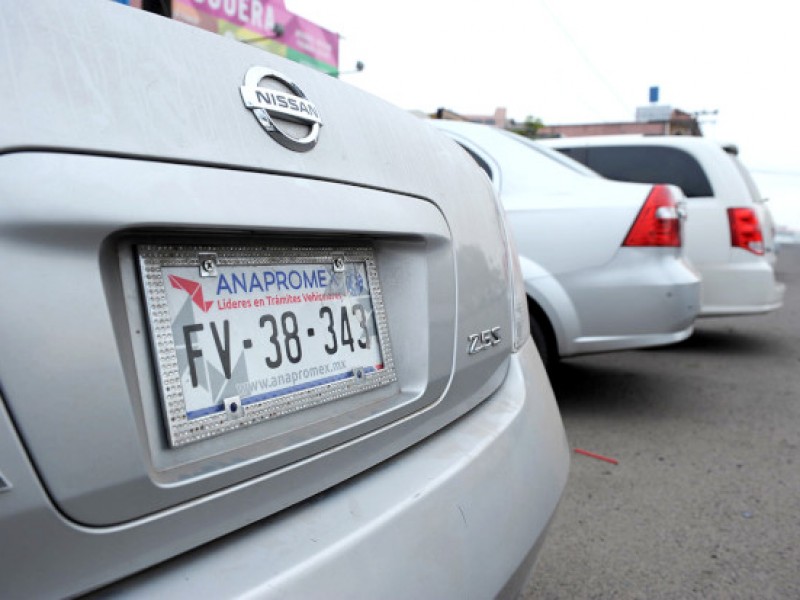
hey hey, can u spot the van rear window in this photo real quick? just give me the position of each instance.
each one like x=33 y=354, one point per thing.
x=648 y=164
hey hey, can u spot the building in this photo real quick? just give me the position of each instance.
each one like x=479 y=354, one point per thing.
x=265 y=24
x=499 y=119
x=650 y=120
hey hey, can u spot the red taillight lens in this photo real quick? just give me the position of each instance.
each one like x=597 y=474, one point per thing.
x=658 y=223
x=746 y=230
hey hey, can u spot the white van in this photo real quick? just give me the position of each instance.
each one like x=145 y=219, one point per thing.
x=729 y=231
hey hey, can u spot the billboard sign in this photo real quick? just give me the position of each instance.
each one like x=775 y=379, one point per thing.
x=265 y=24
x=653 y=112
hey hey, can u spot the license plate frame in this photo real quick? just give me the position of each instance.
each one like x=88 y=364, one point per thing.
x=188 y=321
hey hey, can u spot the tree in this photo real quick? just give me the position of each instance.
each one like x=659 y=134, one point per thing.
x=529 y=128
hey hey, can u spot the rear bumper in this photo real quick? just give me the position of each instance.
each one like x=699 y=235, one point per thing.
x=644 y=297
x=740 y=288
x=461 y=514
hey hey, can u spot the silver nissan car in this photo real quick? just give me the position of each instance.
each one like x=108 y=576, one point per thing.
x=262 y=333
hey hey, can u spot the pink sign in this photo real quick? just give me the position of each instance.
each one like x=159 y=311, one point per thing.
x=263 y=19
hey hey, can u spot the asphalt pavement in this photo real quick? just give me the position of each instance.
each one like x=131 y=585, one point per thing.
x=705 y=499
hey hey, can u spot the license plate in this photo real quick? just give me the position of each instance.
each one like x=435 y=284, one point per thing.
x=242 y=335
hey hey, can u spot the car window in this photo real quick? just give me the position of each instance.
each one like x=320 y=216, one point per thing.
x=578 y=154
x=650 y=164
x=481 y=163
x=563 y=159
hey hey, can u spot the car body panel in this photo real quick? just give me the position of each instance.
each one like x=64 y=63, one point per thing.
x=735 y=281
x=664 y=309
x=569 y=226
x=740 y=286
x=566 y=201
x=373 y=519
x=441 y=482
x=131 y=487
x=168 y=108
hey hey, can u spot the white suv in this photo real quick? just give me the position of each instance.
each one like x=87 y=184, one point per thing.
x=729 y=231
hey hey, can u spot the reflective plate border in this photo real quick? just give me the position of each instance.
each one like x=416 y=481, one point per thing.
x=180 y=429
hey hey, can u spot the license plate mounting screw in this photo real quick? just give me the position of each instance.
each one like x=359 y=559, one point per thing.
x=208 y=264
x=233 y=408
x=338 y=263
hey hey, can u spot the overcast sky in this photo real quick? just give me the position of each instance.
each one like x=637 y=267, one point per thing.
x=577 y=61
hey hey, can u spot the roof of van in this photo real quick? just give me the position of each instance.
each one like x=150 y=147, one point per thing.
x=680 y=141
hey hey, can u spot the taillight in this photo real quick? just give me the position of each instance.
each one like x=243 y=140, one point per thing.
x=658 y=223
x=746 y=230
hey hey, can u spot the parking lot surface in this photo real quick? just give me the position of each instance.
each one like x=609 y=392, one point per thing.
x=705 y=499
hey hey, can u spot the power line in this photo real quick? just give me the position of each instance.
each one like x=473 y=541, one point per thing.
x=782 y=172
x=583 y=55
